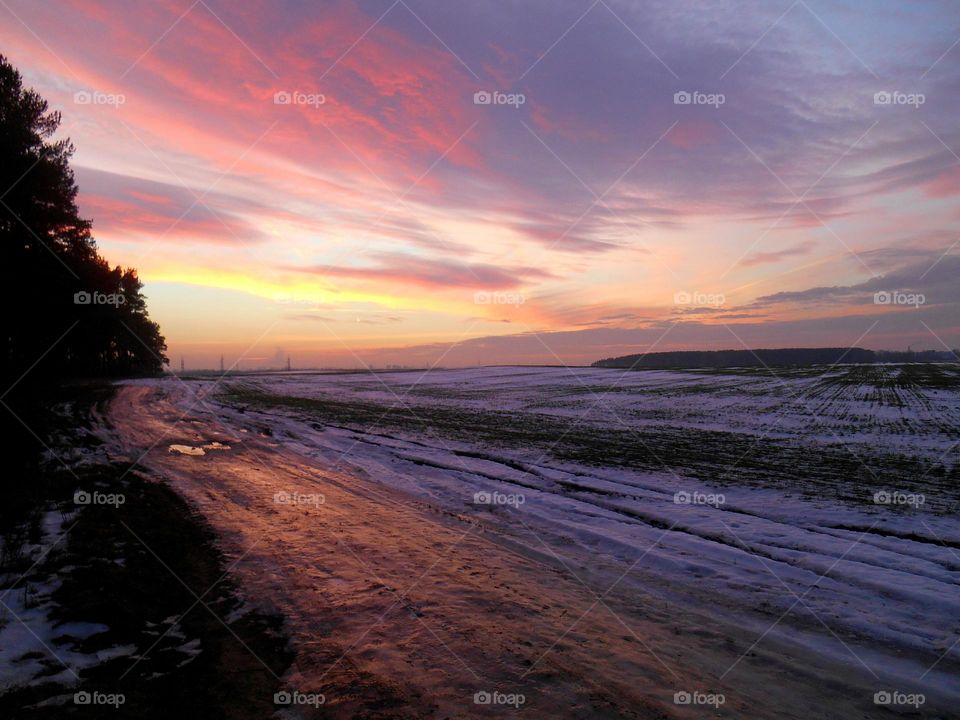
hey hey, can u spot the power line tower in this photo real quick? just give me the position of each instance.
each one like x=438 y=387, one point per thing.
x=288 y=363
x=221 y=364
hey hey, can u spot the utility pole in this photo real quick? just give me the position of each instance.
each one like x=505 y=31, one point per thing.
x=221 y=364
x=181 y=363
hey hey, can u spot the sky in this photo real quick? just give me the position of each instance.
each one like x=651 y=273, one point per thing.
x=425 y=182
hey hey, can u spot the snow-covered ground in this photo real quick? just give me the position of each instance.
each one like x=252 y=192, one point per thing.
x=594 y=540
x=26 y=628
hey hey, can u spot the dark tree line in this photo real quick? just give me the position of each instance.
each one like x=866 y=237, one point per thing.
x=780 y=356
x=67 y=312
x=740 y=358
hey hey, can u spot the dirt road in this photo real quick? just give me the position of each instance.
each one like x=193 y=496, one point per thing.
x=400 y=606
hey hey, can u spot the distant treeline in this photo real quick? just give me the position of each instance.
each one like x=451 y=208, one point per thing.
x=67 y=313
x=772 y=357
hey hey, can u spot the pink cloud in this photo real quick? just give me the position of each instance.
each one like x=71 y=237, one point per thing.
x=773 y=256
x=944 y=185
x=688 y=134
x=407 y=270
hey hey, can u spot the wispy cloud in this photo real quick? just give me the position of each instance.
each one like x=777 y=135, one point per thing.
x=337 y=149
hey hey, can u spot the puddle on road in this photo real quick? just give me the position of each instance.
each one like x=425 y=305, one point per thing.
x=187 y=450
x=216 y=446
x=197 y=450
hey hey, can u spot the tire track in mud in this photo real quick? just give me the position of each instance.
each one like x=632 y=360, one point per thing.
x=496 y=601
x=771 y=551
x=373 y=657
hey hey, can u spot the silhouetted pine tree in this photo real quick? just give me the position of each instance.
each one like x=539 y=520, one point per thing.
x=50 y=264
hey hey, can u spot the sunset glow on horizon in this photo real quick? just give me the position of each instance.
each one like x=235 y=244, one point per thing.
x=415 y=182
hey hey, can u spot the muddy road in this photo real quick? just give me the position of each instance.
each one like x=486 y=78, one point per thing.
x=401 y=603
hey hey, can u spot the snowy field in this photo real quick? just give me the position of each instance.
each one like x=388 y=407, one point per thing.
x=597 y=543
